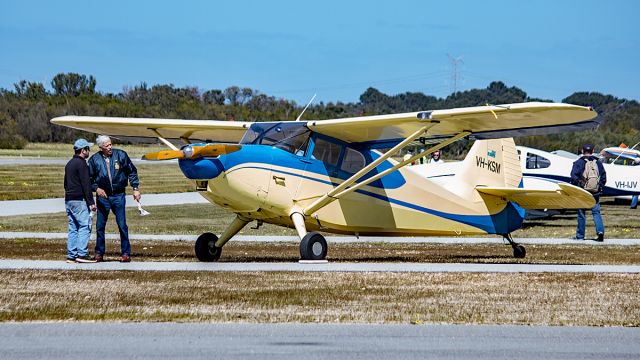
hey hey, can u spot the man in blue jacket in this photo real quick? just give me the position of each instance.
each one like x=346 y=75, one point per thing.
x=595 y=186
x=110 y=171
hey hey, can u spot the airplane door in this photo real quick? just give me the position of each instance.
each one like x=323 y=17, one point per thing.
x=321 y=170
x=288 y=165
x=287 y=172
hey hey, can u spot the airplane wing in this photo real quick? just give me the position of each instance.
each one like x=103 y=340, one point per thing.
x=483 y=122
x=565 y=196
x=214 y=130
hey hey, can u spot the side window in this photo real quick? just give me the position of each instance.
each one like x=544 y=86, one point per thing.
x=537 y=162
x=353 y=161
x=327 y=152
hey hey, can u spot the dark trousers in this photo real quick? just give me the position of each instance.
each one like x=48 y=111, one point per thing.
x=116 y=204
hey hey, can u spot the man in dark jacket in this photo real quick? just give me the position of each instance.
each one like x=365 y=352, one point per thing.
x=78 y=201
x=111 y=171
x=578 y=179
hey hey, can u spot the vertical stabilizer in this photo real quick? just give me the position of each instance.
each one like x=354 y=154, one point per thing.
x=493 y=163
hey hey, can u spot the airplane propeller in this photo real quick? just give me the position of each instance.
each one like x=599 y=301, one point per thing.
x=193 y=152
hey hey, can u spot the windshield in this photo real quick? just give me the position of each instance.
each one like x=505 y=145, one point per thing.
x=289 y=136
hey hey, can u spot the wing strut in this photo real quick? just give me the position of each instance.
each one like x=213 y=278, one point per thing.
x=403 y=163
x=165 y=141
x=331 y=195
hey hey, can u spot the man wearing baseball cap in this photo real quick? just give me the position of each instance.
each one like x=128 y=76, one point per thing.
x=78 y=202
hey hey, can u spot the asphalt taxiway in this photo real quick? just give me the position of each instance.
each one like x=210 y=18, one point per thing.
x=313 y=341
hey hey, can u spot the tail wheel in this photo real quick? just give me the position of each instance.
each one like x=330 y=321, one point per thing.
x=313 y=247
x=206 y=249
x=519 y=252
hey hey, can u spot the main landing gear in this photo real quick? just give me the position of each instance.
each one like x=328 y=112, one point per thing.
x=519 y=252
x=313 y=245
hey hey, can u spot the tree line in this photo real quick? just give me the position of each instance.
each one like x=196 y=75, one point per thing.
x=26 y=109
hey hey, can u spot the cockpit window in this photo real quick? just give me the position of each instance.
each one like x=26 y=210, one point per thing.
x=327 y=152
x=537 y=162
x=292 y=137
x=353 y=161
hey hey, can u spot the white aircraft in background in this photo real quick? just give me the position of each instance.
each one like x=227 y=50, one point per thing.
x=543 y=169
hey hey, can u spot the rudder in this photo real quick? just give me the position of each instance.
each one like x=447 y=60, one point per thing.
x=493 y=163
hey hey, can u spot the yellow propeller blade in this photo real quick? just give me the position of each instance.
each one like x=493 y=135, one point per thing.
x=214 y=150
x=164 y=155
x=196 y=152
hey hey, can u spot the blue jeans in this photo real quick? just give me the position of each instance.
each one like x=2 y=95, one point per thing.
x=79 y=228
x=115 y=203
x=597 y=219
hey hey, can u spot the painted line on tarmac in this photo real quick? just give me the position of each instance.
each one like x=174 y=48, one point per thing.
x=326 y=267
x=338 y=239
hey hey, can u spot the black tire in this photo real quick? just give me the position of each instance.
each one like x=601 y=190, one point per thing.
x=206 y=249
x=313 y=247
x=519 y=252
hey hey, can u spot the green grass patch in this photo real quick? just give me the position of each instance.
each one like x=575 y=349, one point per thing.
x=177 y=219
x=26 y=182
x=63 y=151
x=620 y=222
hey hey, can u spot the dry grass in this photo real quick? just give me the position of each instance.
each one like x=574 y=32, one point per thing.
x=42 y=249
x=540 y=299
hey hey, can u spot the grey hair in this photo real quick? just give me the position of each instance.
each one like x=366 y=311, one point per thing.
x=102 y=139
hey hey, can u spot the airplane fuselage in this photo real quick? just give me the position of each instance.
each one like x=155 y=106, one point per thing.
x=270 y=182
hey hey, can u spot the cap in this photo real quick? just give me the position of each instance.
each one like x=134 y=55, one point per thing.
x=587 y=148
x=81 y=144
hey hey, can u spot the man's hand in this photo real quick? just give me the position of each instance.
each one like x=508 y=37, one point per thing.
x=93 y=208
x=101 y=193
x=136 y=195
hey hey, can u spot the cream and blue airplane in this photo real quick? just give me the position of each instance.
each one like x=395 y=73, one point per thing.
x=338 y=176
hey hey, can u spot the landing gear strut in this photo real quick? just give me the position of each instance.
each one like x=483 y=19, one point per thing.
x=519 y=252
x=313 y=245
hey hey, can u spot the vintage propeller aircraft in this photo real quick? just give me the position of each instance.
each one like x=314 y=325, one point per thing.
x=338 y=175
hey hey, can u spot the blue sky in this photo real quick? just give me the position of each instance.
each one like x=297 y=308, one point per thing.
x=293 y=49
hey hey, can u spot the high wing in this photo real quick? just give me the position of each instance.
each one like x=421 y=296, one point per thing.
x=565 y=196
x=212 y=130
x=482 y=122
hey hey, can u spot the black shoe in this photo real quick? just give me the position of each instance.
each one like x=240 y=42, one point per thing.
x=576 y=238
x=71 y=260
x=600 y=237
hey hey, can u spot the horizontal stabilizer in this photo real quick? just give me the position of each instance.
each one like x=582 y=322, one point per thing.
x=564 y=196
